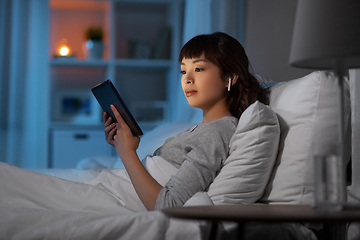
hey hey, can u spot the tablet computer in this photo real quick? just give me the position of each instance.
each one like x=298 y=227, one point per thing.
x=106 y=94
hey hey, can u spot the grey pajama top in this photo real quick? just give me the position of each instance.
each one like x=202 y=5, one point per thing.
x=198 y=154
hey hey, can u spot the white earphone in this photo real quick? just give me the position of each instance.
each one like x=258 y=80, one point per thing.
x=229 y=84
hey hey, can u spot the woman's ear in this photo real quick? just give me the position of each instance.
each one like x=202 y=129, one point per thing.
x=232 y=80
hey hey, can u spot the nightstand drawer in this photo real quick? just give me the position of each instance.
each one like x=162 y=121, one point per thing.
x=69 y=146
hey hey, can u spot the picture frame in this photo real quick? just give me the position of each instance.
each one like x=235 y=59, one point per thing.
x=76 y=106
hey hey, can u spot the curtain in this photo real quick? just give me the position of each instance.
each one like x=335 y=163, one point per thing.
x=229 y=16
x=202 y=17
x=24 y=107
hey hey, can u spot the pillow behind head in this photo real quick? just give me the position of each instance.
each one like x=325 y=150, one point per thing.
x=308 y=110
x=253 y=150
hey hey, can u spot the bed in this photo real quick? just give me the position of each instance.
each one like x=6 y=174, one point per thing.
x=270 y=162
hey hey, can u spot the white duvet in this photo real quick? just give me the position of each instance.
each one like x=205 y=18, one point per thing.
x=38 y=206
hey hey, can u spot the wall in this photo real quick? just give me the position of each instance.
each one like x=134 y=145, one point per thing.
x=268 y=36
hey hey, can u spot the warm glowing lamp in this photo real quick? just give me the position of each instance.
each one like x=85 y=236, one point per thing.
x=64 y=49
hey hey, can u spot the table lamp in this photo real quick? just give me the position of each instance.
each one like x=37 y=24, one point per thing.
x=327 y=37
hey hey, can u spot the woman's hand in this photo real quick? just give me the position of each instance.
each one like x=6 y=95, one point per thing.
x=124 y=140
x=110 y=129
x=126 y=144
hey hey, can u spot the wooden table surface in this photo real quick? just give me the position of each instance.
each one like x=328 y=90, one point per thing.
x=262 y=213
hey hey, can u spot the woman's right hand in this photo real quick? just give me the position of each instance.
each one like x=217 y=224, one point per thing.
x=110 y=129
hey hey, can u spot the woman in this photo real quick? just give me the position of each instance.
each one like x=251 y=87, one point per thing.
x=216 y=79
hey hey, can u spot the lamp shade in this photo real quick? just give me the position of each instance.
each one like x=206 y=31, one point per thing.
x=325 y=31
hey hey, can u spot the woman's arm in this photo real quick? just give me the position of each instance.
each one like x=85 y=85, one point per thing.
x=126 y=144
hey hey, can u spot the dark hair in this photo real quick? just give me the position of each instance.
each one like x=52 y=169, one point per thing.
x=229 y=55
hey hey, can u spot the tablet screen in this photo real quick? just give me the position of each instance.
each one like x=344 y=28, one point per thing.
x=106 y=94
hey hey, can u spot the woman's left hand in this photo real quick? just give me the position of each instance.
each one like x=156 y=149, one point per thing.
x=124 y=140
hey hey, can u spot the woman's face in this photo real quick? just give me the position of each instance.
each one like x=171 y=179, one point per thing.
x=202 y=84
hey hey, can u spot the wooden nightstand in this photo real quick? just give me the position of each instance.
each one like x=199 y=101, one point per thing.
x=266 y=214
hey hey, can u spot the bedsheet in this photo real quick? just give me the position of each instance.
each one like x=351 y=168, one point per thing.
x=29 y=223
x=76 y=175
x=38 y=206
x=82 y=218
x=26 y=223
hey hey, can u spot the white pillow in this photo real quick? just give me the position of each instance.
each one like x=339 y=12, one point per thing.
x=307 y=109
x=253 y=150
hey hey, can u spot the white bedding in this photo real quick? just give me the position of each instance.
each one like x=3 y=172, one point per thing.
x=80 y=217
x=37 y=206
x=27 y=223
x=76 y=175
x=56 y=204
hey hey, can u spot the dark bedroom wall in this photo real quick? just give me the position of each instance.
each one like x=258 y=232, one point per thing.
x=269 y=26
